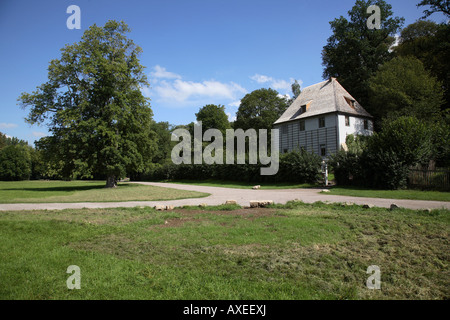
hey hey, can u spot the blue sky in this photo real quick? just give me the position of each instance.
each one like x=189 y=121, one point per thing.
x=196 y=52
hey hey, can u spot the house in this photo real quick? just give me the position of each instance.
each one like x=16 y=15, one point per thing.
x=320 y=119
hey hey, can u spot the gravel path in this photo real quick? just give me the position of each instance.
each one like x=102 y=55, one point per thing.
x=242 y=196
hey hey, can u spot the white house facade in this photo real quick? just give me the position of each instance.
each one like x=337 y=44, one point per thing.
x=321 y=118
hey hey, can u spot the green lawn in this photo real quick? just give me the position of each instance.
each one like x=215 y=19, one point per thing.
x=85 y=191
x=296 y=251
x=242 y=185
x=409 y=194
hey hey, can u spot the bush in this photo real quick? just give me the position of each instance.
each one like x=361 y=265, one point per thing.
x=297 y=166
x=15 y=163
x=385 y=160
x=346 y=166
x=384 y=170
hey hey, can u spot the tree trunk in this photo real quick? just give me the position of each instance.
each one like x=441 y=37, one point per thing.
x=111 y=182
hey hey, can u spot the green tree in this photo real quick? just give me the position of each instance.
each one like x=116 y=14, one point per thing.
x=15 y=163
x=163 y=137
x=260 y=109
x=402 y=86
x=430 y=43
x=354 y=52
x=296 y=91
x=213 y=117
x=435 y=6
x=92 y=103
x=3 y=140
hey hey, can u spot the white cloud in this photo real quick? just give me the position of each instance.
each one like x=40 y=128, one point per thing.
x=4 y=125
x=182 y=91
x=230 y=117
x=396 y=42
x=286 y=96
x=235 y=104
x=161 y=73
x=261 y=78
x=39 y=134
x=277 y=84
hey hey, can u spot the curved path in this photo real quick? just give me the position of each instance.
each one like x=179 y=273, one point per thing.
x=242 y=196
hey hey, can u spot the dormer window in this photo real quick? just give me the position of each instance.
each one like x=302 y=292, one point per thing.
x=303 y=108
x=350 y=102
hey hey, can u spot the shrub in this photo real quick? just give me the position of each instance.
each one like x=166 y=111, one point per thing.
x=297 y=166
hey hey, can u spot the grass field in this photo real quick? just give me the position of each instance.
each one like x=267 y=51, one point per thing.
x=242 y=185
x=345 y=191
x=409 y=194
x=295 y=251
x=85 y=191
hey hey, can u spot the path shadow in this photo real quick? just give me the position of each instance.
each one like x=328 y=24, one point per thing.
x=65 y=188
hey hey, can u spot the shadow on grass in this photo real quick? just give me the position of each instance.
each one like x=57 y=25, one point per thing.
x=65 y=188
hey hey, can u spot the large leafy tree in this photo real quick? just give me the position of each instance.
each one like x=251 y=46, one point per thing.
x=354 y=52
x=213 y=117
x=260 y=109
x=403 y=87
x=430 y=43
x=94 y=108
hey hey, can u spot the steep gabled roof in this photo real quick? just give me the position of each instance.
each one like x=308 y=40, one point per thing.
x=325 y=97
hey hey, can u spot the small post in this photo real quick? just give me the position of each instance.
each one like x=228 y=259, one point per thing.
x=325 y=172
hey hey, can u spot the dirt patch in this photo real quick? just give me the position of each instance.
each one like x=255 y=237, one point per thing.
x=189 y=215
x=250 y=212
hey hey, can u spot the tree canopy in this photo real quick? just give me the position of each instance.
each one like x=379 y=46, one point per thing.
x=430 y=43
x=15 y=162
x=94 y=109
x=404 y=87
x=354 y=52
x=213 y=117
x=260 y=109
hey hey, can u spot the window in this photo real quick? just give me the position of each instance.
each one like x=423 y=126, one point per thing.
x=323 y=150
x=285 y=150
x=366 y=125
x=350 y=102
x=303 y=109
x=347 y=121
x=284 y=129
x=322 y=122
x=302 y=125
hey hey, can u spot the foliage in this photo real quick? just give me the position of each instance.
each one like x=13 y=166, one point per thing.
x=92 y=103
x=297 y=166
x=213 y=117
x=260 y=109
x=407 y=137
x=162 y=134
x=353 y=52
x=385 y=161
x=430 y=43
x=402 y=86
x=10 y=141
x=296 y=91
x=15 y=163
